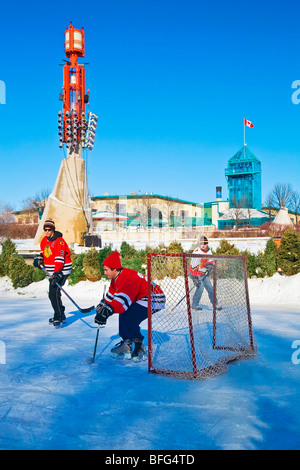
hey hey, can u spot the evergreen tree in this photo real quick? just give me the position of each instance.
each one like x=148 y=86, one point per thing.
x=174 y=266
x=8 y=250
x=136 y=262
x=19 y=272
x=126 y=250
x=270 y=258
x=91 y=265
x=251 y=263
x=288 y=259
x=226 y=248
x=38 y=275
x=77 y=273
x=103 y=254
x=175 y=247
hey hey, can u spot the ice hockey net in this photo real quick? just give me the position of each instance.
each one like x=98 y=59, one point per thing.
x=198 y=344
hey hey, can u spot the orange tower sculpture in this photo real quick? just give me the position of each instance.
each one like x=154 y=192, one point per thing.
x=68 y=204
x=74 y=129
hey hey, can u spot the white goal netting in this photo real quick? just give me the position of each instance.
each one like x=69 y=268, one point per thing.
x=206 y=322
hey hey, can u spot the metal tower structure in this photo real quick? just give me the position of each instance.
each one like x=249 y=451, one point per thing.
x=69 y=204
x=243 y=175
x=75 y=128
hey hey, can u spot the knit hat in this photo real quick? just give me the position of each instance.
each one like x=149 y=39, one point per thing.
x=203 y=241
x=49 y=224
x=113 y=261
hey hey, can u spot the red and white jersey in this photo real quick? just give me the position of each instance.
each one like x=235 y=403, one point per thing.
x=131 y=286
x=56 y=254
x=198 y=265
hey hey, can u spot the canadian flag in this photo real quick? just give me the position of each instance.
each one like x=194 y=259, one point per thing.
x=248 y=123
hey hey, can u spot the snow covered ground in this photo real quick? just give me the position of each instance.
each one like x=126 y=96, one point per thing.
x=52 y=399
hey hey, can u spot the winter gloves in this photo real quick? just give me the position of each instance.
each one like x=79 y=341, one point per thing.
x=56 y=278
x=38 y=262
x=209 y=268
x=104 y=311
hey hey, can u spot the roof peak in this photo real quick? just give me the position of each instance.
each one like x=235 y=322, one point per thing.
x=244 y=154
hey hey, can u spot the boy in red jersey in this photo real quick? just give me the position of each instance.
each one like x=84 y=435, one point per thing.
x=55 y=257
x=128 y=297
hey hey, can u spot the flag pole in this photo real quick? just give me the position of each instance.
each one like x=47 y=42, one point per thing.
x=244 y=139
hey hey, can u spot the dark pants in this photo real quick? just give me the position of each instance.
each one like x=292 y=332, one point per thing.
x=55 y=299
x=129 y=322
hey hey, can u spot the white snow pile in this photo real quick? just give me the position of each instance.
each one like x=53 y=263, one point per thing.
x=276 y=290
x=51 y=398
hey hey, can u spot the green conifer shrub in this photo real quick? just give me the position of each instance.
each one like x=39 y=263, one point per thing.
x=38 y=275
x=126 y=250
x=77 y=273
x=270 y=258
x=19 y=272
x=8 y=250
x=103 y=254
x=288 y=258
x=174 y=265
x=226 y=248
x=91 y=265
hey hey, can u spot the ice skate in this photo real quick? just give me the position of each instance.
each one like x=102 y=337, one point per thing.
x=63 y=318
x=57 y=323
x=139 y=353
x=197 y=308
x=122 y=349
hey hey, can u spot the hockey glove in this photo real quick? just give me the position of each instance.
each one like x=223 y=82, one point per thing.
x=56 y=278
x=209 y=268
x=101 y=304
x=104 y=311
x=38 y=262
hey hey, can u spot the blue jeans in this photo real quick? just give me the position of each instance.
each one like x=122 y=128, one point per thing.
x=201 y=283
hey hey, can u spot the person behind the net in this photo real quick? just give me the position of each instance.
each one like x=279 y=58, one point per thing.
x=127 y=296
x=55 y=256
x=200 y=270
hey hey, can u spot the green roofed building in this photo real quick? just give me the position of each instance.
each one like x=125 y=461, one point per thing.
x=243 y=174
x=148 y=210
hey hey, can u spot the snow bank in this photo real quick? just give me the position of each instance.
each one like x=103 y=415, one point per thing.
x=276 y=290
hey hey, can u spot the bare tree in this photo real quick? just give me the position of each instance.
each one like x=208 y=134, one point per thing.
x=144 y=210
x=237 y=211
x=269 y=203
x=171 y=210
x=248 y=209
x=6 y=213
x=294 y=204
x=36 y=202
x=112 y=207
x=42 y=197
x=282 y=194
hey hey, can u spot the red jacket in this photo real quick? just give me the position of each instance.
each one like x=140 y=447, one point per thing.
x=56 y=254
x=131 y=286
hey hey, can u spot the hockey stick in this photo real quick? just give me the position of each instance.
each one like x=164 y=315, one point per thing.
x=82 y=310
x=91 y=360
x=182 y=299
x=189 y=292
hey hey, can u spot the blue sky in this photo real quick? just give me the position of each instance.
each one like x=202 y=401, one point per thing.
x=171 y=81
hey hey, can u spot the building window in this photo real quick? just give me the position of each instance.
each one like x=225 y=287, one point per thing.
x=121 y=208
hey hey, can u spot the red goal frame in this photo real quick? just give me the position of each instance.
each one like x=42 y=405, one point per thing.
x=215 y=344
